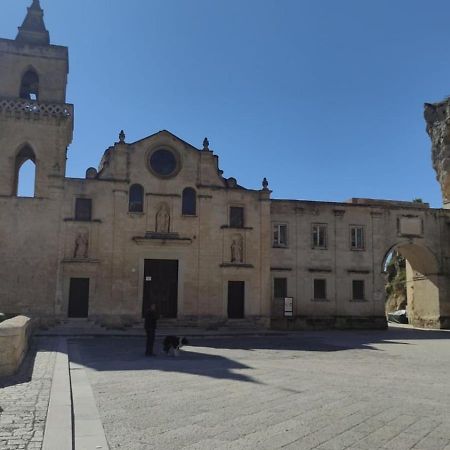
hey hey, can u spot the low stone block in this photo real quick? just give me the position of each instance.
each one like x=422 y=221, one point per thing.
x=14 y=337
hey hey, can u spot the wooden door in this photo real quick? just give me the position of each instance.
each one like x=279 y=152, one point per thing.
x=79 y=297
x=236 y=297
x=161 y=286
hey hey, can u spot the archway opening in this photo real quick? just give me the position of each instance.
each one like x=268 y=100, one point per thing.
x=29 y=87
x=412 y=285
x=25 y=173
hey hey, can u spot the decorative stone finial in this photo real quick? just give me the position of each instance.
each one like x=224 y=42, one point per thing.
x=205 y=144
x=121 y=137
x=265 y=184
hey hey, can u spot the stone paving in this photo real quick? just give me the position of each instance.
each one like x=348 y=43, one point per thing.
x=24 y=398
x=323 y=390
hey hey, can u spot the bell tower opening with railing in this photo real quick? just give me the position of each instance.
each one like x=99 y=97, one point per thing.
x=36 y=123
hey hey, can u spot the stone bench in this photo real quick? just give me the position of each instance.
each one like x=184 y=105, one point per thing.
x=14 y=337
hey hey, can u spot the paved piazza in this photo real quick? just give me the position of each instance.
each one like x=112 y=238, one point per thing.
x=24 y=398
x=324 y=390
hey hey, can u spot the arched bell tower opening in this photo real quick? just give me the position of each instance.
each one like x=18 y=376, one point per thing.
x=25 y=173
x=33 y=108
x=420 y=281
x=29 y=86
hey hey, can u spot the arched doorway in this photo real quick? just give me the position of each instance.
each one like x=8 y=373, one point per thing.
x=422 y=280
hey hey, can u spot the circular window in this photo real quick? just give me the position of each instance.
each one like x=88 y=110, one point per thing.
x=163 y=162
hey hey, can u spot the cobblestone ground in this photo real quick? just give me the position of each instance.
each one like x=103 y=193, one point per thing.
x=24 y=398
x=324 y=390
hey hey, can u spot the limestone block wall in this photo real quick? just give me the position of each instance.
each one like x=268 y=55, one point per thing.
x=29 y=231
x=413 y=229
x=48 y=136
x=50 y=62
x=14 y=337
x=118 y=246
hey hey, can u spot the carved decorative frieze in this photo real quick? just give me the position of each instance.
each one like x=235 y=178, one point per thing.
x=20 y=107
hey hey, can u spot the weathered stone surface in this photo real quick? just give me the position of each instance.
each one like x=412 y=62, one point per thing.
x=24 y=398
x=14 y=336
x=437 y=117
x=47 y=247
x=326 y=390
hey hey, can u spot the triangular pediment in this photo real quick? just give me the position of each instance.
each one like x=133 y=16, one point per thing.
x=164 y=134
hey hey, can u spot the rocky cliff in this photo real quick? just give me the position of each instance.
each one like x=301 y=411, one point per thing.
x=437 y=117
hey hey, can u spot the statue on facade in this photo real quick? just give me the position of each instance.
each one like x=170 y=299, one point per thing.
x=81 y=246
x=237 y=250
x=163 y=220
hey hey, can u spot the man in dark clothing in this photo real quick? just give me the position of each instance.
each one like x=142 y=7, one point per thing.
x=151 y=317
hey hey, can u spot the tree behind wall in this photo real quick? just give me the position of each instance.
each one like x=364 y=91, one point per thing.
x=396 y=283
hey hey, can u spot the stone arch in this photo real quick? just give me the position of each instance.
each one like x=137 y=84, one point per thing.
x=424 y=283
x=29 y=85
x=23 y=155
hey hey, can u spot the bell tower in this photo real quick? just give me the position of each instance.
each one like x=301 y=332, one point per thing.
x=36 y=123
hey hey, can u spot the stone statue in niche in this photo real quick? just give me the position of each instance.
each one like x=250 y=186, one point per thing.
x=163 y=219
x=81 y=245
x=237 y=249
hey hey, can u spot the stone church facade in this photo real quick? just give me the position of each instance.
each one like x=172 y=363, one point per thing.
x=158 y=223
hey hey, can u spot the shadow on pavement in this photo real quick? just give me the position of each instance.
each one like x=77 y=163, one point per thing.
x=127 y=353
x=119 y=354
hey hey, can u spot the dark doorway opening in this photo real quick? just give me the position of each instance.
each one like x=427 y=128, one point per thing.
x=161 y=286
x=79 y=297
x=236 y=296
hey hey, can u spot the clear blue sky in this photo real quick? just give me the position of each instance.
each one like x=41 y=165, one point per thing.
x=323 y=97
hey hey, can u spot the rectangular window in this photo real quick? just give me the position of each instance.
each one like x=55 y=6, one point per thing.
x=236 y=217
x=319 y=235
x=358 y=289
x=357 y=237
x=279 y=235
x=83 y=209
x=320 y=289
x=280 y=287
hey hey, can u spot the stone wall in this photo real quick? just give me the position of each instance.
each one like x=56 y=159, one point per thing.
x=14 y=337
x=415 y=230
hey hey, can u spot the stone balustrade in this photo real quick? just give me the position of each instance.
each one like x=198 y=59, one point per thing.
x=14 y=337
x=19 y=107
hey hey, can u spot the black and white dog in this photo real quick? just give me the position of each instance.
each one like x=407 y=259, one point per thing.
x=172 y=344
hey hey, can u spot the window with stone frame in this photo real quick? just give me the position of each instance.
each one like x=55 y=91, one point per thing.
x=279 y=235
x=280 y=287
x=189 y=202
x=83 y=209
x=319 y=235
x=320 y=289
x=136 y=198
x=357 y=241
x=358 y=290
x=236 y=217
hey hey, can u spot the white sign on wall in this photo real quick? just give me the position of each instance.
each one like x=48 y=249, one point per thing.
x=288 y=307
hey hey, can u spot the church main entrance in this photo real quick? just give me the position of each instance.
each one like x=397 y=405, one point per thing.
x=161 y=286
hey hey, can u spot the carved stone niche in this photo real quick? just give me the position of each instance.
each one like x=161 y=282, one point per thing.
x=81 y=244
x=237 y=249
x=162 y=219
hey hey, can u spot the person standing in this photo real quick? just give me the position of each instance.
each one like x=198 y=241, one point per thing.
x=150 y=319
